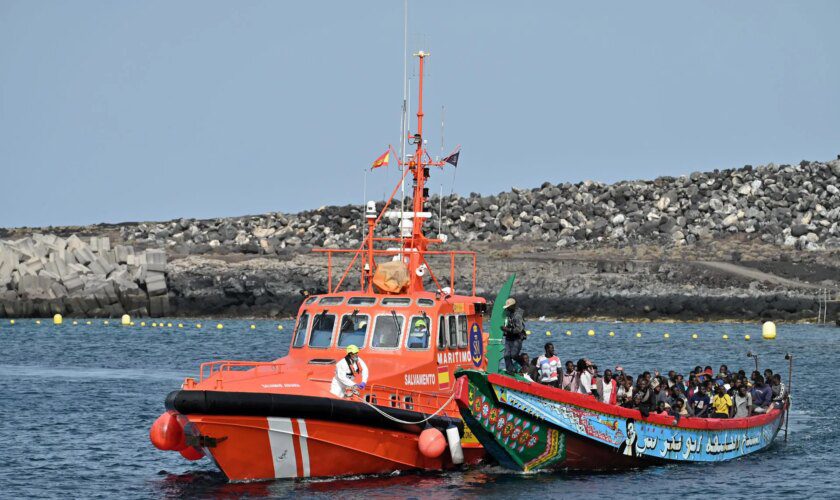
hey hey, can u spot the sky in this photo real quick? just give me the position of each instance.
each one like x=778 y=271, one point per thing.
x=115 y=111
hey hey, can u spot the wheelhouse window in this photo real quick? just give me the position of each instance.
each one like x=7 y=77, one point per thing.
x=311 y=300
x=353 y=330
x=441 y=336
x=453 y=332
x=300 y=330
x=331 y=301
x=323 y=325
x=361 y=301
x=418 y=332
x=462 y=330
x=425 y=302
x=387 y=331
x=396 y=301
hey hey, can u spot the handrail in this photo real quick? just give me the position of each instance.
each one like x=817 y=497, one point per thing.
x=391 y=252
x=423 y=402
x=227 y=365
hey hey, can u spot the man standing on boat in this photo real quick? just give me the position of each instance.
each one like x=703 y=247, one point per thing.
x=344 y=383
x=514 y=330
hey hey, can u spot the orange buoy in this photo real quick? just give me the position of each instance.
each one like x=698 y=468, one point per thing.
x=166 y=433
x=431 y=443
x=191 y=453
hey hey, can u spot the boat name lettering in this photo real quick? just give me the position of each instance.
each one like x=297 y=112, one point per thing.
x=752 y=441
x=420 y=379
x=713 y=447
x=445 y=358
x=673 y=444
x=275 y=386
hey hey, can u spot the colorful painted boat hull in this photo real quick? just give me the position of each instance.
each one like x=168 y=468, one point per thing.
x=597 y=436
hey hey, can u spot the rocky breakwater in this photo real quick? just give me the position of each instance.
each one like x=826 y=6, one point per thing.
x=789 y=206
x=42 y=275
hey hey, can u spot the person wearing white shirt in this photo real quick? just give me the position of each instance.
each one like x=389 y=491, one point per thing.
x=344 y=383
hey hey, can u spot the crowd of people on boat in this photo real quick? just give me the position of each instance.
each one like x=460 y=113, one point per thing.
x=703 y=393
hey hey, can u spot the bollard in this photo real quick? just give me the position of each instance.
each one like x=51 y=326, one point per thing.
x=57 y=319
x=125 y=320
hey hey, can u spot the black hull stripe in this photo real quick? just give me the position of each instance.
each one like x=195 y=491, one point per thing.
x=257 y=404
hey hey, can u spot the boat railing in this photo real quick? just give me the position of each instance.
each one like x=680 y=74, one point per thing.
x=405 y=399
x=220 y=368
x=390 y=253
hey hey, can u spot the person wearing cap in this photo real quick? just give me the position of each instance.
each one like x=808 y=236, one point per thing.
x=346 y=369
x=418 y=337
x=514 y=330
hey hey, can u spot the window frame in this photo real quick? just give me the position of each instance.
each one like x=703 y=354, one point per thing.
x=442 y=332
x=360 y=345
x=296 y=331
x=331 y=300
x=425 y=302
x=429 y=334
x=332 y=332
x=463 y=342
x=390 y=318
x=452 y=319
x=387 y=302
x=361 y=304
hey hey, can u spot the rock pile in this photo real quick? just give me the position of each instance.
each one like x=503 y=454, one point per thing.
x=796 y=206
x=45 y=274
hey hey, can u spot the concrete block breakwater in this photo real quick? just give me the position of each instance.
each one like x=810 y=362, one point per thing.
x=789 y=206
x=42 y=275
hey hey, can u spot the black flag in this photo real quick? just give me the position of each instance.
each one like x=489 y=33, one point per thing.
x=453 y=158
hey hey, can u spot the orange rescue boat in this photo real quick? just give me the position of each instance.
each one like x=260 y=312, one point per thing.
x=279 y=419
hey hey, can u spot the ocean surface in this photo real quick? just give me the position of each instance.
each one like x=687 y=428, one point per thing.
x=77 y=403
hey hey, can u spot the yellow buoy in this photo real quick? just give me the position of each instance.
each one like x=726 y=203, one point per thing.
x=37 y=321
x=667 y=336
x=527 y=332
x=142 y=323
x=57 y=319
x=612 y=334
x=725 y=337
x=279 y=327
x=180 y=325
x=75 y=323
x=219 y=326
x=694 y=335
x=154 y=324
x=591 y=333
x=768 y=330
x=88 y=323
x=125 y=320
x=198 y=325
x=131 y=324
x=253 y=327
x=548 y=334
x=105 y=322
x=638 y=334
x=169 y=325
x=11 y=322
x=569 y=333
x=746 y=337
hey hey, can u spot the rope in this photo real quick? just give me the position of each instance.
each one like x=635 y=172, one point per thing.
x=395 y=419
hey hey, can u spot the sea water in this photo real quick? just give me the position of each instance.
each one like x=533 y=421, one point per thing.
x=77 y=403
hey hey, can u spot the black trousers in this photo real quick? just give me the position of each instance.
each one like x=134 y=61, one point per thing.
x=512 y=349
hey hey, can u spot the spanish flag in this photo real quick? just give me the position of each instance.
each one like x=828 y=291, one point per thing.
x=382 y=160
